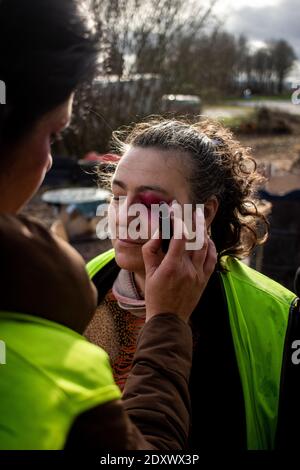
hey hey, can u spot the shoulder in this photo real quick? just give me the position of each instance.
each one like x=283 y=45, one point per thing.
x=23 y=236
x=103 y=271
x=59 y=358
x=99 y=262
x=247 y=280
x=42 y=274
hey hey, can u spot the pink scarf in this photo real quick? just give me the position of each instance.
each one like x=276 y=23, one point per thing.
x=126 y=294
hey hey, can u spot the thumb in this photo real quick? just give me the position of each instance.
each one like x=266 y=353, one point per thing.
x=152 y=253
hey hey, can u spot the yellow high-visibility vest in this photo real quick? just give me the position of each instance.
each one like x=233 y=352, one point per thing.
x=258 y=310
x=52 y=374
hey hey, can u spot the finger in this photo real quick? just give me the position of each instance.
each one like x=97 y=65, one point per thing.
x=211 y=259
x=198 y=230
x=151 y=252
x=199 y=256
x=177 y=243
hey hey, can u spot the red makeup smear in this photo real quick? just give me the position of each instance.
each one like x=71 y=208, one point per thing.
x=150 y=198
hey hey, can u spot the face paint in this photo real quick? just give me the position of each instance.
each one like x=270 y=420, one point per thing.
x=149 y=198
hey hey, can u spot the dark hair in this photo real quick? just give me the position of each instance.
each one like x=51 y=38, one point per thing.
x=46 y=51
x=215 y=164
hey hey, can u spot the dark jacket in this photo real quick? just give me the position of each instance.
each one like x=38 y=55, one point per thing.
x=218 y=409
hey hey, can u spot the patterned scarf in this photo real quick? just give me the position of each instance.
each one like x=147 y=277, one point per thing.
x=117 y=323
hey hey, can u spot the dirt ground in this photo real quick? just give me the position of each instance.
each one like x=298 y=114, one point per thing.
x=88 y=247
x=281 y=150
x=280 y=158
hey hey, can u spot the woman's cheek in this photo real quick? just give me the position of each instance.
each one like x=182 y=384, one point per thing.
x=153 y=222
x=112 y=221
x=145 y=224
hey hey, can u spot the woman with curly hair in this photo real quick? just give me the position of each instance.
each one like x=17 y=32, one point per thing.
x=239 y=324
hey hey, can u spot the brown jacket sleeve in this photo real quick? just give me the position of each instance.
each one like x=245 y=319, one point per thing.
x=156 y=405
x=43 y=275
x=156 y=395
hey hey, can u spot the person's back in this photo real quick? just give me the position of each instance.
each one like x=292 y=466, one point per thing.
x=52 y=374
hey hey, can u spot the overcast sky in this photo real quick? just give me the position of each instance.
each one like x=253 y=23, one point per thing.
x=263 y=20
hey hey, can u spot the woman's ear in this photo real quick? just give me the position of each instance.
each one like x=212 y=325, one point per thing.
x=210 y=210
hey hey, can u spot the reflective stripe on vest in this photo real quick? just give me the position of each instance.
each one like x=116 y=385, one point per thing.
x=258 y=309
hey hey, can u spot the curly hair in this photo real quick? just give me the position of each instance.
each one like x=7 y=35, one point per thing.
x=216 y=165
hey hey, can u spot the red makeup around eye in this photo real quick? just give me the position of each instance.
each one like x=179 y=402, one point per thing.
x=149 y=198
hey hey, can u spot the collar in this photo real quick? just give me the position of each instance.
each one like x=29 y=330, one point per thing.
x=126 y=294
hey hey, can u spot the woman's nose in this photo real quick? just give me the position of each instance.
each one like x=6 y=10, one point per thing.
x=123 y=213
x=130 y=210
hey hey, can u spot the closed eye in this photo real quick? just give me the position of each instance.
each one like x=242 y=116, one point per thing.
x=117 y=197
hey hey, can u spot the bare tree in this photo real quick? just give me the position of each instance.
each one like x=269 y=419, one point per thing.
x=139 y=39
x=283 y=59
x=267 y=67
x=153 y=47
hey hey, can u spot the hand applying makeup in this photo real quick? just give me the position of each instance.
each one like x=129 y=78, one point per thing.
x=176 y=281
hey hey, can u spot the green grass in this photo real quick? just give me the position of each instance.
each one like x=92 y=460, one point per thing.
x=230 y=99
x=285 y=97
x=236 y=122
